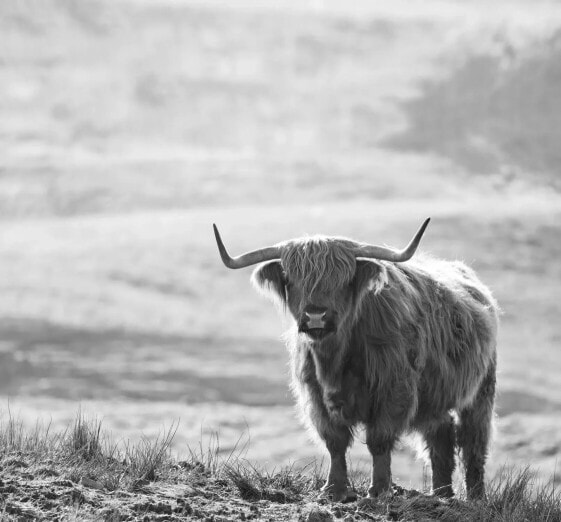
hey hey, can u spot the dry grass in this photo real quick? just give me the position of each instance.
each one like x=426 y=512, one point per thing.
x=86 y=452
x=288 y=484
x=513 y=496
x=81 y=473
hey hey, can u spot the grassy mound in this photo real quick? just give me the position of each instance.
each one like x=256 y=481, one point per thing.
x=80 y=474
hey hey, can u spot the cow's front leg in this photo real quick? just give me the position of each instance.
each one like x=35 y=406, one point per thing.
x=337 y=439
x=381 y=450
x=336 y=435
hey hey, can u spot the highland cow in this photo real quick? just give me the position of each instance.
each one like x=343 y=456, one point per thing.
x=390 y=343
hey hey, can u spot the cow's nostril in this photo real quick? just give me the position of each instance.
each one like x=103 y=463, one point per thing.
x=315 y=320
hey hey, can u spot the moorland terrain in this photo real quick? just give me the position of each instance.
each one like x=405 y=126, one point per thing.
x=127 y=129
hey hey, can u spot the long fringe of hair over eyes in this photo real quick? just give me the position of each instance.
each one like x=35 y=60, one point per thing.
x=319 y=261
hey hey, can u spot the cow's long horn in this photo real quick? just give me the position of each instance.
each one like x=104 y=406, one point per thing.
x=388 y=254
x=247 y=259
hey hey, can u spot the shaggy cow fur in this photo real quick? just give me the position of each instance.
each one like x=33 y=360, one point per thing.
x=414 y=350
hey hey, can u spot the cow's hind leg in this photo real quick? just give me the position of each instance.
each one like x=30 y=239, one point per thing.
x=441 y=444
x=474 y=434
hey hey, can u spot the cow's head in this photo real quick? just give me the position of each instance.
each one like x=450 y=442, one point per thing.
x=321 y=280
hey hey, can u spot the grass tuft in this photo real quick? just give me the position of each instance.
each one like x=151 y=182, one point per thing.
x=15 y=438
x=84 y=438
x=206 y=456
x=288 y=484
x=244 y=482
x=515 y=495
x=144 y=459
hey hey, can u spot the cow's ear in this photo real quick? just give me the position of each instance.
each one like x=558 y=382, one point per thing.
x=370 y=275
x=269 y=278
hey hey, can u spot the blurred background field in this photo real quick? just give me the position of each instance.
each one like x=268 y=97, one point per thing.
x=127 y=128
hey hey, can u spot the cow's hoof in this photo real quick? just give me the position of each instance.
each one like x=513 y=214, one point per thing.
x=335 y=494
x=379 y=492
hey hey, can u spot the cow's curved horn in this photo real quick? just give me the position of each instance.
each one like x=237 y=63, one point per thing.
x=247 y=259
x=388 y=254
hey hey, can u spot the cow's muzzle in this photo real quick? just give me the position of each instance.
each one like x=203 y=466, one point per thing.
x=316 y=324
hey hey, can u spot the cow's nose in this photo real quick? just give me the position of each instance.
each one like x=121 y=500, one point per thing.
x=315 y=316
x=315 y=320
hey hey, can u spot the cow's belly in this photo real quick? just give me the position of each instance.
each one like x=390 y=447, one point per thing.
x=448 y=385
